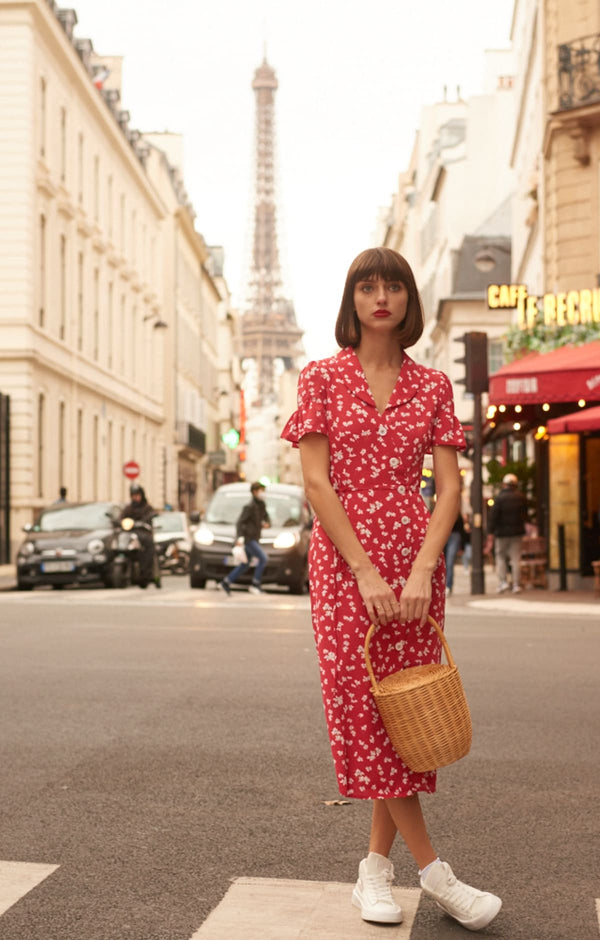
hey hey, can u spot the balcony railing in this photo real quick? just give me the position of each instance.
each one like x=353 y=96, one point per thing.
x=579 y=72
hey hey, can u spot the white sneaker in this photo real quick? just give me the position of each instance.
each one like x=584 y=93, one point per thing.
x=373 y=890
x=472 y=908
x=253 y=589
x=502 y=587
x=516 y=589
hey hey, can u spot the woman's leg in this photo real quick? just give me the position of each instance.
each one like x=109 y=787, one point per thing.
x=403 y=815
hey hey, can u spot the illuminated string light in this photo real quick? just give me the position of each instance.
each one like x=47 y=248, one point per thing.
x=582 y=402
x=545 y=406
x=518 y=409
x=502 y=408
x=517 y=426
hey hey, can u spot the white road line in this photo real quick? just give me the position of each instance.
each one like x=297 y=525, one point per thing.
x=281 y=909
x=18 y=878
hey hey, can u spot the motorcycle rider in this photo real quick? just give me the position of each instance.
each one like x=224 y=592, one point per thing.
x=140 y=510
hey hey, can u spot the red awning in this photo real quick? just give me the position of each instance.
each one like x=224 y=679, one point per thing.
x=565 y=374
x=586 y=420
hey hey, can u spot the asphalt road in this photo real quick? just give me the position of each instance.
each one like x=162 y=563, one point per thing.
x=157 y=745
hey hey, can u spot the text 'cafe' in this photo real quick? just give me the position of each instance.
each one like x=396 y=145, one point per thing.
x=556 y=397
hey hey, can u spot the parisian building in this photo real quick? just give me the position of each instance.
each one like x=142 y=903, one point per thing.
x=108 y=352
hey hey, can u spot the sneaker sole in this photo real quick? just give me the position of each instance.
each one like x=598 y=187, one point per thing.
x=479 y=922
x=375 y=917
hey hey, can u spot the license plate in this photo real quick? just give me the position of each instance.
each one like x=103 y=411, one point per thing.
x=48 y=567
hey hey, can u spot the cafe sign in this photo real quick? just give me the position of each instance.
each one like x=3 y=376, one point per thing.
x=560 y=309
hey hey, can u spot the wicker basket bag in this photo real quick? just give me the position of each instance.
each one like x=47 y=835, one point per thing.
x=424 y=710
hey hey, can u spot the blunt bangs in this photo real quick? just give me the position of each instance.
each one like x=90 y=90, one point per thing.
x=388 y=265
x=380 y=263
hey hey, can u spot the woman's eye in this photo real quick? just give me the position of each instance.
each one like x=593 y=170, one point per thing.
x=395 y=287
x=367 y=288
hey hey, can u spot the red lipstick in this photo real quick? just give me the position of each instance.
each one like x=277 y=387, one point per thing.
x=381 y=313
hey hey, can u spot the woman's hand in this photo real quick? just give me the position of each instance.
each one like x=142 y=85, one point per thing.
x=416 y=596
x=381 y=602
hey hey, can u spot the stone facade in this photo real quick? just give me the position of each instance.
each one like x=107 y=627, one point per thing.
x=108 y=337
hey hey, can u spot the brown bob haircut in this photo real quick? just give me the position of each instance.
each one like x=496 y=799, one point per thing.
x=391 y=266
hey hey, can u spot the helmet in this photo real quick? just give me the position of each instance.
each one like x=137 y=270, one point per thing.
x=135 y=488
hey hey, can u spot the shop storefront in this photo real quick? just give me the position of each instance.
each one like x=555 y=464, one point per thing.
x=553 y=400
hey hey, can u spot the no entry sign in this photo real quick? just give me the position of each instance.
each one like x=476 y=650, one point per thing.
x=131 y=469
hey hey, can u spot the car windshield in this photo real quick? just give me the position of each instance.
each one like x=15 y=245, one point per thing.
x=169 y=522
x=225 y=507
x=88 y=517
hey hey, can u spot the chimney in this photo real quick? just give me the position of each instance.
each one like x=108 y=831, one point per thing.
x=67 y=19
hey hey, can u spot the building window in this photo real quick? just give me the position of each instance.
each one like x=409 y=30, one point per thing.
x=63 y=144
x=96 y=188
x=96 y=334
x=95 y=457
x=495 y=355
x=109 y=460
x=133 y=344
x=41 y=317
x=61 y=443
x=79 y=466
x=109 y=207
x=109 y=330
x=80 y=169
x=40 y=449
x=63 y=286
x=42 y=117
x=80 y=301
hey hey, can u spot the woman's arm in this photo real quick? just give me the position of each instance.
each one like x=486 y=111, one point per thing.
x=380 y=600
x=416 y=596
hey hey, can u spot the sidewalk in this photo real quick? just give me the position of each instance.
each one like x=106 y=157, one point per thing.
x=535 y=600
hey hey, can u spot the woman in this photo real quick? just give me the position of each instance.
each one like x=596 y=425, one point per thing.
x=365 y=419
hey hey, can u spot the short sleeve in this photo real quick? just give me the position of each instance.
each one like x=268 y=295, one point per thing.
x=446 y=429
x=311 y=415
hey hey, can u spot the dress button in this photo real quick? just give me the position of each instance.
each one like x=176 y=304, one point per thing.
x=394 y=462
x=382 y=430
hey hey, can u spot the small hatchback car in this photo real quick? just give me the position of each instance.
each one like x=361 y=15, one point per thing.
x=68 y=544
x=285 y=542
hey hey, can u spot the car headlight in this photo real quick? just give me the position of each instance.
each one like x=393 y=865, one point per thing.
x=95 y=546
x=203 y=536
x=27 y=549
x=286 y=540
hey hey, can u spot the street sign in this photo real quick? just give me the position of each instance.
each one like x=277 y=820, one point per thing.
x=131 y=469
x=216 y=458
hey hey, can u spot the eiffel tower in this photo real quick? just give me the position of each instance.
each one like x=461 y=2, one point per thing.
x=268 y=325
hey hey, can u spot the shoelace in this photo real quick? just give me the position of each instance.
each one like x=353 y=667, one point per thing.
x=380 y=883
x=459 y=894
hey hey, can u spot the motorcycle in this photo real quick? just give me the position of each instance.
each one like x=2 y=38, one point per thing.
x=126 y=566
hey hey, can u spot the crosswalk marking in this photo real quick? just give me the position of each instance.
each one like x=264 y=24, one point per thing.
x=281 y=909
x=18 y=878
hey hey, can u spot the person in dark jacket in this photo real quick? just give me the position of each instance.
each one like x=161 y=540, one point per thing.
x=253 y=518
x=507 y=527
x=140 y=510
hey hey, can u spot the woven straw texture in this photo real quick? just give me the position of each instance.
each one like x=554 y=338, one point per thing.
x=424 y=710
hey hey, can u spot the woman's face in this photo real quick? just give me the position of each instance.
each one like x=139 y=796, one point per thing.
x=380 y=305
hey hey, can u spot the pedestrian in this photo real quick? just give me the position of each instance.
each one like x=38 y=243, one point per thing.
x=140 y=510
x=506 y=528
x=451 y=550
x=366 y=418
x=467 y=547
x=253 y=518
x=62 y=496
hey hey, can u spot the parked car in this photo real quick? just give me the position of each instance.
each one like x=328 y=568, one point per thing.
x=285 y=541
x=173 y=541
x=68 y=544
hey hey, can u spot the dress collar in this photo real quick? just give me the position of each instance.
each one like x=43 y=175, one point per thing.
x=406 y=387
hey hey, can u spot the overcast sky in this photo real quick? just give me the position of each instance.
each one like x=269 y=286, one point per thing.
x=353 y=77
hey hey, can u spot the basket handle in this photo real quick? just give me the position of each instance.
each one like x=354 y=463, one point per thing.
x=372 y=630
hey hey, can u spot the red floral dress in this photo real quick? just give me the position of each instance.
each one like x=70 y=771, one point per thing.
x=375 y=468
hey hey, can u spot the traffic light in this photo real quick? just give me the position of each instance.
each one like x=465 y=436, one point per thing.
x=475 y=361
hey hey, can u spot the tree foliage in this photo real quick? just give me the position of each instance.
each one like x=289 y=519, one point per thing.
x=544 y=338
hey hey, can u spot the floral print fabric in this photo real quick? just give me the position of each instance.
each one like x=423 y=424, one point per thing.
x=375 y=468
